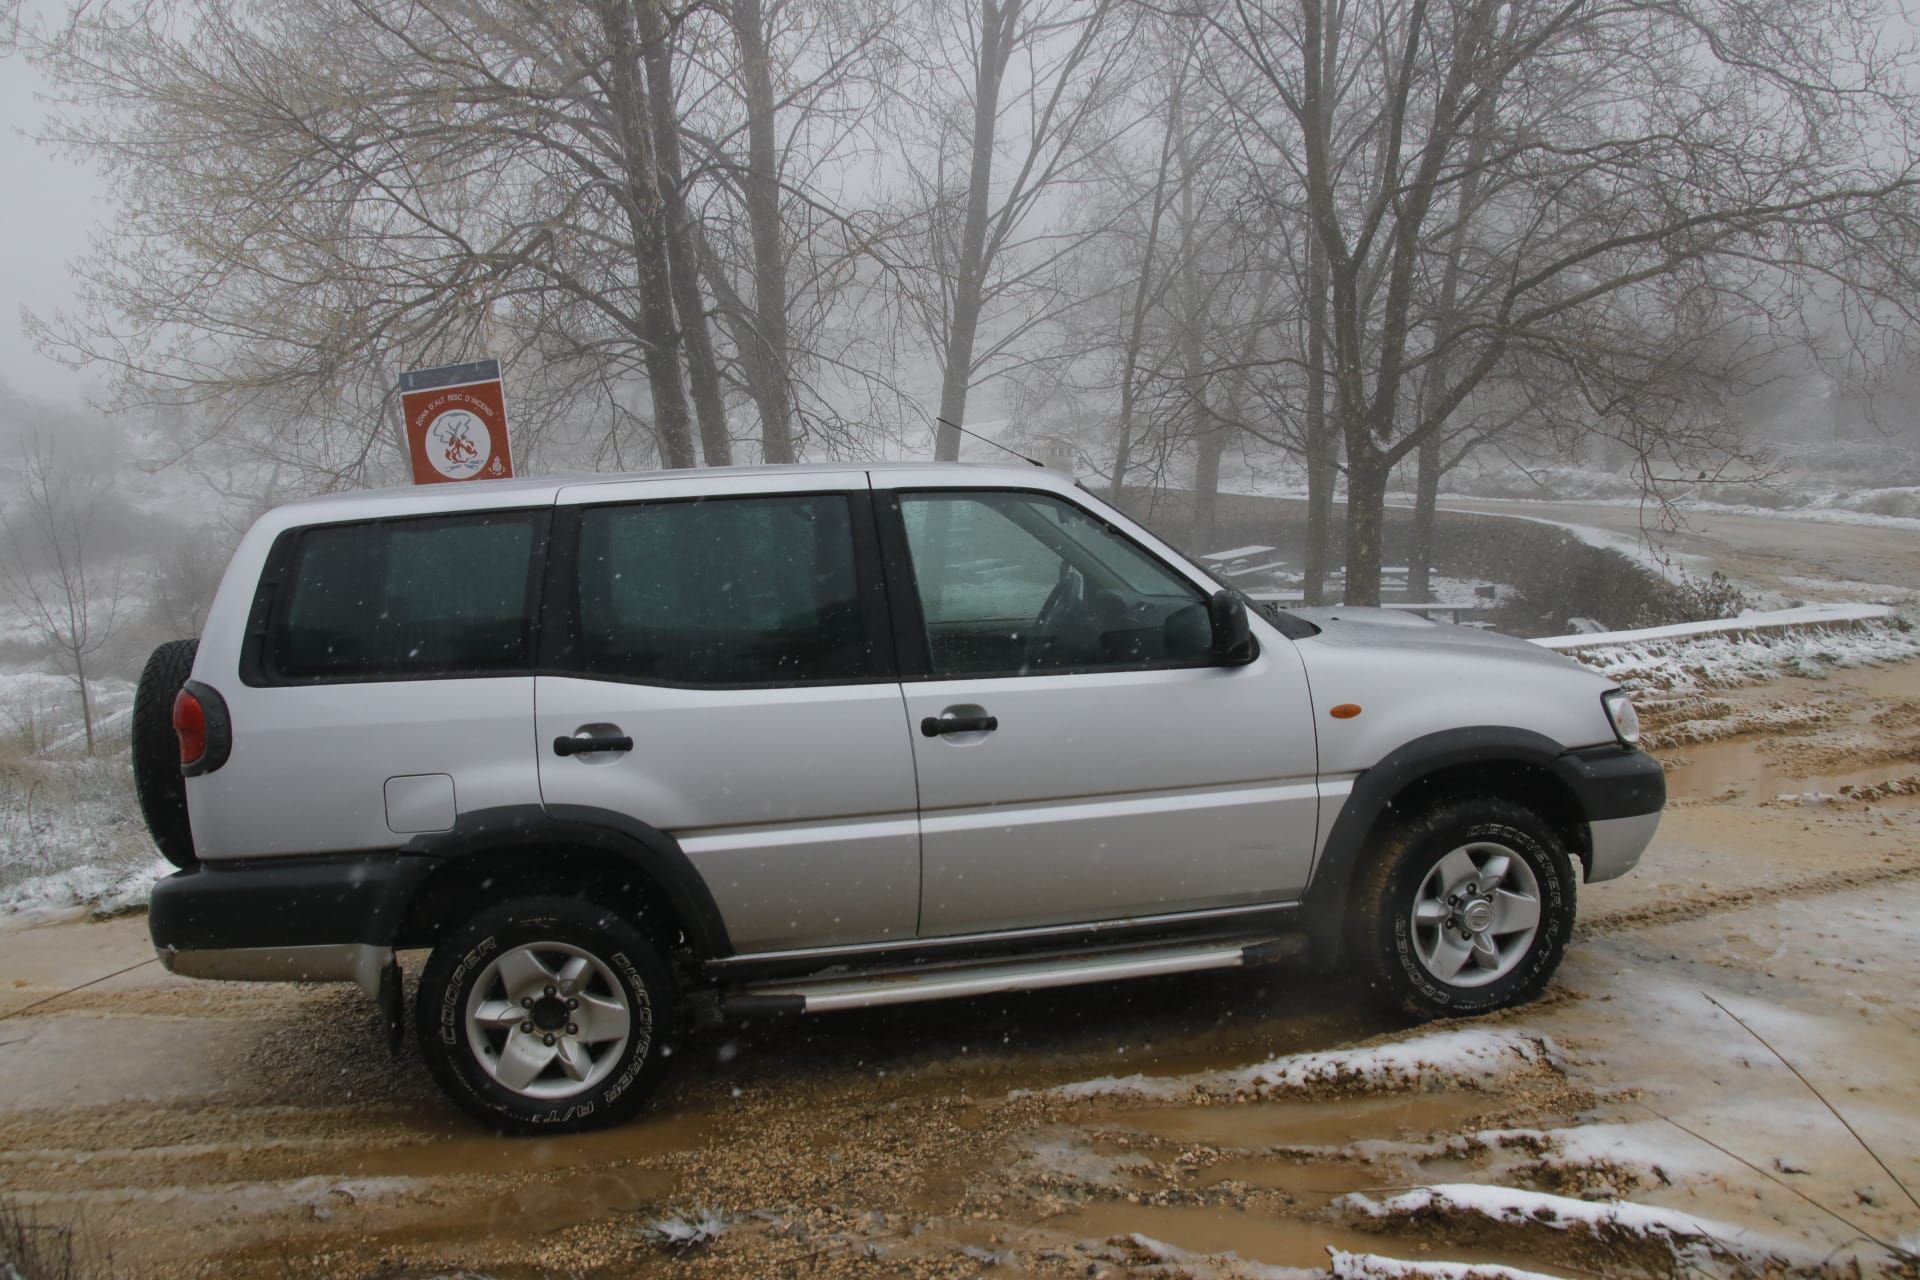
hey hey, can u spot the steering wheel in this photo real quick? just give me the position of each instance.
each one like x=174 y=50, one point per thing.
x=1063 y=613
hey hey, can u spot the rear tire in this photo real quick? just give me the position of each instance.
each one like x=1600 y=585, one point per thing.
x=156 y=752
x=1464 y=910
x=547 y=1015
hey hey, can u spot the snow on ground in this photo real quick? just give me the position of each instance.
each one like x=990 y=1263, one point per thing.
x=71 y=835
x=1470 y=1057
x=1821 y=508
x=100 y=890
x=1696 y=657
x=1609 y=1219
x=40 y=710
x=1371 y=1266
x=1668 y=565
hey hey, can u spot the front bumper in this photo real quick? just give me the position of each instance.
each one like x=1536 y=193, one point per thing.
x=331 y=919
x=1621 y=790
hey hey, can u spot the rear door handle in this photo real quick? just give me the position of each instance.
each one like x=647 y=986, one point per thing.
x=582 y=744
x=934 y=726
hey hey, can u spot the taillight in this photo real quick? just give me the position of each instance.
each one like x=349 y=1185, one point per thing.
x=190 y=723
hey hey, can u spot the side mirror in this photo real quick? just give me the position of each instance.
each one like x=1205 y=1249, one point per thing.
x=1233 y=644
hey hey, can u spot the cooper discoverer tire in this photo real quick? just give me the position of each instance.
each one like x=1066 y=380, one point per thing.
x=1464 y=910
x=156 y=751
x=547 y=1015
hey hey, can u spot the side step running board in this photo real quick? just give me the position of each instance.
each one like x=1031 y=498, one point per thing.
x=952 y=981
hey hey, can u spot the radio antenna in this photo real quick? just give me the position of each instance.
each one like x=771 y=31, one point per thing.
x=1004 y=448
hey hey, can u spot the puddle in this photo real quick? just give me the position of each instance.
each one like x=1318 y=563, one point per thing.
x=1753 y=765
x=466 y=1154
x=1868 y=741
x=1311 y=1180
x=1253 y=1237
x=1261 y=1125
x=543 y=1206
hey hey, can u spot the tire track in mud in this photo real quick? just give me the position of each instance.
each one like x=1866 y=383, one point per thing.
x=1692 y=905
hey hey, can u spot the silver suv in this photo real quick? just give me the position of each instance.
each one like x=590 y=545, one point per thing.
x=630 y=755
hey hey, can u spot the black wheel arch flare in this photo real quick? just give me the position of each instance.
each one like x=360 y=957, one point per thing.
x=1593 y=784
x=654 y=854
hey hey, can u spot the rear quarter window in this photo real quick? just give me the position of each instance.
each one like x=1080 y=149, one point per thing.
x=387 y=599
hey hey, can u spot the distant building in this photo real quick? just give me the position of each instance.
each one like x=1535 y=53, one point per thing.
x=1055 y=452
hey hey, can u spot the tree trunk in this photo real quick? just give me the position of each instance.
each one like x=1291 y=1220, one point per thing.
x=997 y=25
x=1433 y=384
x=770 y=374
x=1367 y=472
x=1142 y=297
x=1206 y=485
x=1426 y=500
x=646 y=223
x=703 y=370
x=86 y=700
x=1322 y=439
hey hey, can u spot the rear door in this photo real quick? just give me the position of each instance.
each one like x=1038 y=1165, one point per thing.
x=739 y=640
x=1079 y=754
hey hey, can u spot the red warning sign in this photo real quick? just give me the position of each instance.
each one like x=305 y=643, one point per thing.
x=455 y=418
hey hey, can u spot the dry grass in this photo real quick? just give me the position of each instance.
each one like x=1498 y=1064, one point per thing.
x=32 y=1250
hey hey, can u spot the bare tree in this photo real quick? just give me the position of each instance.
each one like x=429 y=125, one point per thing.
x=1020 y=102
x=316 y=194
x=50 y=570
x=1620 y=169
x=787 y=104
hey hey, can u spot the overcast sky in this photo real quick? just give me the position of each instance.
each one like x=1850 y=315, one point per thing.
x=48 y=207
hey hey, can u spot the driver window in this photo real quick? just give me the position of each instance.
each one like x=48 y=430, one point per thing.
x=1018 y=583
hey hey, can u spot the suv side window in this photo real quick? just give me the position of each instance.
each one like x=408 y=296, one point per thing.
x=1014 y=582
x=720 y=591
x=392 y=599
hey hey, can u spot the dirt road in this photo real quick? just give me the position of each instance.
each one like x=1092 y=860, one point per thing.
x=1800 y=558
x=1167 y=1127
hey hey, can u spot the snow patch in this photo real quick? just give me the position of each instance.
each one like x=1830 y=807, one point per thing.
x=1697 y=657
x=99 y=890
x=683 y=1232
x=1371 y=1266
x=1514 y=1206
x=1470 y=1057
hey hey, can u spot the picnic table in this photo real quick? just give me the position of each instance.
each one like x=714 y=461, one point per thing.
x=1233 y=562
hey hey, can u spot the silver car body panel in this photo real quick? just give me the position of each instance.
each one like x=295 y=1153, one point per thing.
x=1411 y=678
x=796 y=806
x=313 y=762
x=1618 y=844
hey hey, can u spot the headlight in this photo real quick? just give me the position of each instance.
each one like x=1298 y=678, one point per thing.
x=1620 y=713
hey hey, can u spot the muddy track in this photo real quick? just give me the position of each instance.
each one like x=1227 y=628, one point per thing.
x=1694 y=905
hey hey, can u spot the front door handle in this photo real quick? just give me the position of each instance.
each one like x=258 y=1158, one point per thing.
x=581 y=744
x=934 y=726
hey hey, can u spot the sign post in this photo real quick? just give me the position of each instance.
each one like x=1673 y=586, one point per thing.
x=455 y=422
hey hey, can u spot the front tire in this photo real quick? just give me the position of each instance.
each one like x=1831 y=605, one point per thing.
x=1465 y=910
x=547 y=1015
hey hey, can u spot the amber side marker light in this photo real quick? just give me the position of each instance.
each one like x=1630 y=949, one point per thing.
x=1345 y=711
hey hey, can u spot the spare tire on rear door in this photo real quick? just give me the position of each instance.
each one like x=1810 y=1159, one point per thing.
x=156 y=751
